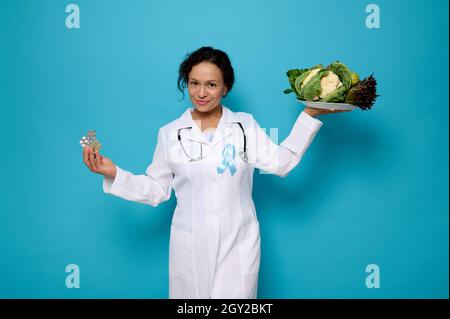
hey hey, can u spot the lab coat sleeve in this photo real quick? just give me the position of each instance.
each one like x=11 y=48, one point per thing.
x=281 y=159
x=151 y=188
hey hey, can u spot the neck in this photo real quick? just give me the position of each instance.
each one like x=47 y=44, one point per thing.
x=215 y=113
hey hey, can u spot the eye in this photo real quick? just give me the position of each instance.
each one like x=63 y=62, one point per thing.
x=193 y=83
x=212 y=84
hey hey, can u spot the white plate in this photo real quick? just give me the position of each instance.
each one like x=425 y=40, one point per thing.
x=328 y=105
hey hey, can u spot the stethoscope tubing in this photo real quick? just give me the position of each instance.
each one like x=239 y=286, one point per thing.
x=245 y=159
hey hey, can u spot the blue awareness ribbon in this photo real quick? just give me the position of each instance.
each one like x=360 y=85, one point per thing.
x=228 y=154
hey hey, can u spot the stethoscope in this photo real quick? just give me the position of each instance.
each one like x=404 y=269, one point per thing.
x=242 y=153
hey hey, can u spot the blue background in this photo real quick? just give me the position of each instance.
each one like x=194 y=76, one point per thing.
x=372 y=188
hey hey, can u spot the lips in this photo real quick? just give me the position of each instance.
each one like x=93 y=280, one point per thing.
x=202 y=102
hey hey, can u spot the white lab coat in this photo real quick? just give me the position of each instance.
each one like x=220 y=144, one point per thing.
x=214 y=249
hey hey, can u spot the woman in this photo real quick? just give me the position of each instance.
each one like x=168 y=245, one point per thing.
x=208 y=156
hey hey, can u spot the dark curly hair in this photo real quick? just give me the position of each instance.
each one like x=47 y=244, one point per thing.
x=206 y=54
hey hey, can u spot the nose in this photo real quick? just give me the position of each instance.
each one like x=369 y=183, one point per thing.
x=202 y=92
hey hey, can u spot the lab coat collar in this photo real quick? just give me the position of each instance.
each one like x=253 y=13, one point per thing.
x=222 y=131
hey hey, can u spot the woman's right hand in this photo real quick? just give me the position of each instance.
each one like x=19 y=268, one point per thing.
x=97 y=163
x=316 y=112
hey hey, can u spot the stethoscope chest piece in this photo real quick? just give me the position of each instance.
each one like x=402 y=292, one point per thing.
x=243 y=156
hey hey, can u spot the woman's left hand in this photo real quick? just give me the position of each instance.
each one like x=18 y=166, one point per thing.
x=316 y=112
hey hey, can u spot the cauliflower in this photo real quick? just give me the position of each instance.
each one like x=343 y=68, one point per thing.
x=329 y=83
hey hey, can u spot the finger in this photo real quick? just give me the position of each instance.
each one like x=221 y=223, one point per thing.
x=91 y=160
x=94 y=160
x=86 y=157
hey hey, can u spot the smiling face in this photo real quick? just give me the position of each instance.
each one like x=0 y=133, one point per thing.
x=206 y=86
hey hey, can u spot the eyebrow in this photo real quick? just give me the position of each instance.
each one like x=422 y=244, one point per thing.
x=206 y=81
